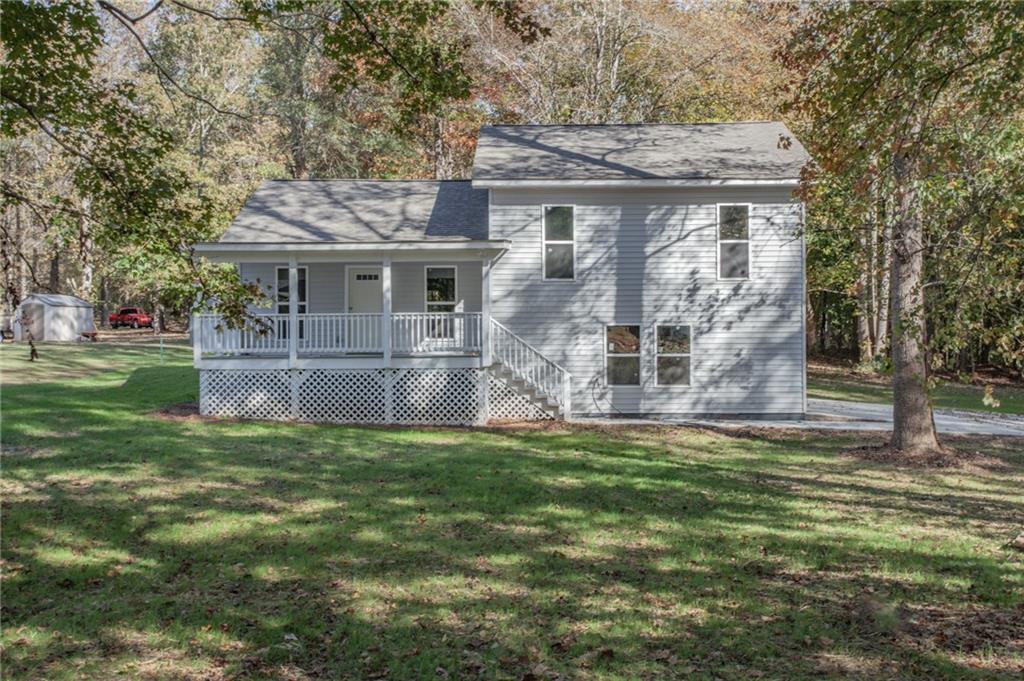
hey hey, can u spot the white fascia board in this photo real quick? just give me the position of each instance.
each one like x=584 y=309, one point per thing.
x=233 y=251
x=644 y=184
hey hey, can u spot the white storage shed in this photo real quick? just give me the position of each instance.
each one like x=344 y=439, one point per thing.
x=53 y=317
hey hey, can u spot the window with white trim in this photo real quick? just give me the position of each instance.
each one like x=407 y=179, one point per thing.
x=440 y=289
x=622 y=354
x=734 y=241
x=559 y=243
x=672 y=354
x=282 y=300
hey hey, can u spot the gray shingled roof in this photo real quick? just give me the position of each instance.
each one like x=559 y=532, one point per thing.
x=726 y=151
x=296 y=211
x=57 y=300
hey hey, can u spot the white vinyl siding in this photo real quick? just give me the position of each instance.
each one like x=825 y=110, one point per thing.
x=649 y=256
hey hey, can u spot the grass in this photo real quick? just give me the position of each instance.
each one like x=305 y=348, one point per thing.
x=146 y=547
x=829 y=382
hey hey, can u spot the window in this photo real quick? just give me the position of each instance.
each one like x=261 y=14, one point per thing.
x=441 y=289
x=282 y=300
x=559 y=243
x=367 y=277
x=441 y=292
x=622 y=355
x=734 y=241
x=672 y=355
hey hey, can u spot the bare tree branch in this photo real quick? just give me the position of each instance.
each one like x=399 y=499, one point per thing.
x=117 y=14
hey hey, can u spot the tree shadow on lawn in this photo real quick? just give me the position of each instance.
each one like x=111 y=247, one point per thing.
x=171 y=549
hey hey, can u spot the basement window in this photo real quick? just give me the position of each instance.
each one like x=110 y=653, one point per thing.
x=672 y=355
x=734 y=241
x=622 y=354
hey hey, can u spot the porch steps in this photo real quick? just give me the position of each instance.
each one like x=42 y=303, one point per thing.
x=538 y=399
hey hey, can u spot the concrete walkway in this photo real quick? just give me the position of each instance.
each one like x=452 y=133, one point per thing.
x=864 y=416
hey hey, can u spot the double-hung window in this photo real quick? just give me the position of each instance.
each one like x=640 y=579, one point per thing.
x=441 y=291
x=672 y=354
x=282 y=300
x=734 y=241
x=622 y=354
x=559 y=243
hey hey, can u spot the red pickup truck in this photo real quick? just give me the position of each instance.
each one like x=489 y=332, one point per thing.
x=131 y=316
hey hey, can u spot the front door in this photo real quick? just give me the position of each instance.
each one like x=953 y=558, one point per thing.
x=365 y=295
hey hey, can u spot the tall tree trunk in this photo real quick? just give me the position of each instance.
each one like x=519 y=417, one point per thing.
x=104 y=301
x=913 y=422
x=86 y=251
x=23 y=272
x=810 y=327
x=54 y=283
x=865 y=348
x=882 y=334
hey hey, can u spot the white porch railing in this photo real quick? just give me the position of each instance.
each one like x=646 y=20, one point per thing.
x=431 y=332
x=530 y=366
x=345 y=333
x=353 y=333
x=261 y=338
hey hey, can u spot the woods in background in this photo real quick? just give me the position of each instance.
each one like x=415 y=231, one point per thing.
x=131 y=129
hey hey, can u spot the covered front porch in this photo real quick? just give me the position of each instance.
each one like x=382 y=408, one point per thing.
x=398 y=334
x=346 y=305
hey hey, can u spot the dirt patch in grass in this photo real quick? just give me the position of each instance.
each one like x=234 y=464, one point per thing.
x=944 y=456
x=181 y=411
x=981 y=637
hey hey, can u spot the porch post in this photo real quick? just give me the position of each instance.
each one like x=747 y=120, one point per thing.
x=485 y=314
x=197 y=342
x=293 y=312
x=385 y=332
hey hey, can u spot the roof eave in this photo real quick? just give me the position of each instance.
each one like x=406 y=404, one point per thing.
x=233 y=250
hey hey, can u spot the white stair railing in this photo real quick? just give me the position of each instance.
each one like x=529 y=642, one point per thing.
x=529 y=365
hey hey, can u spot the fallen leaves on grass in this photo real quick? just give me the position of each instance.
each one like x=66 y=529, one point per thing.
x=931 y=457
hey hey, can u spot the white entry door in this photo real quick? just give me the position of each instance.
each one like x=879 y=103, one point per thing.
x=365 y=296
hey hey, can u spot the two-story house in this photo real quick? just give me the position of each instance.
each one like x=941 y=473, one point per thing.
x=641 y=270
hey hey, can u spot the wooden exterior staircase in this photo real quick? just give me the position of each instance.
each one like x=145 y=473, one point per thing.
x=547 y=385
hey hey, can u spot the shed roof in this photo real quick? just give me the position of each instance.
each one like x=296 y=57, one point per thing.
x=754 y=151
x=56 y=300
x=360 y=211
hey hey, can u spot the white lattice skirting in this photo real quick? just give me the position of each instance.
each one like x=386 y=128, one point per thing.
x=505 y=404
x=401 y=396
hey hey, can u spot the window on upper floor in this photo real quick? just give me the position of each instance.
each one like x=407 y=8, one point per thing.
x=672 y=354
x=734 y=241
x=622 y=354
x=559 y=243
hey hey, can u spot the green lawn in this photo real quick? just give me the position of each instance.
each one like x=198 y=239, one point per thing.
x=831 y=383
x=145 y=547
